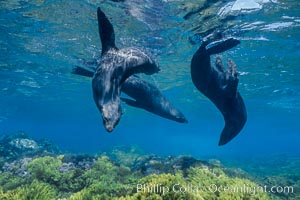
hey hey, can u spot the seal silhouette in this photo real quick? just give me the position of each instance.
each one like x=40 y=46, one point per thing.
x=220 y=86
x=115 y=67
x=144 y=94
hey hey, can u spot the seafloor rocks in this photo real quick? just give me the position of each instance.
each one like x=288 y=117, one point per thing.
x=120 y=174
x=82 y=162
x=19 y=145
x=17 y=167
x=153 y=164
x=137 y=161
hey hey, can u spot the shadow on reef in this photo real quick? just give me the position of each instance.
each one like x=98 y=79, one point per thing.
x=122 y=174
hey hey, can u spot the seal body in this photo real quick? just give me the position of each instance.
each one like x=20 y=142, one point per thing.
x=220 y=86
x=115 y=67
x=150 y=98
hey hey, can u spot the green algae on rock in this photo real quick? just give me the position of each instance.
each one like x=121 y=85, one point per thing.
x=123 y=175
x=106 y=180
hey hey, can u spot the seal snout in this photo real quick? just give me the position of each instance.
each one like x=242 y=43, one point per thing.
x=110 y=124
x=109 y=128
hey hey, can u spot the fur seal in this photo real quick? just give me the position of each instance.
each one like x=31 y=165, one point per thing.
x=145 y=95
x=220 y=86
x=115 y=67
x=150 y=98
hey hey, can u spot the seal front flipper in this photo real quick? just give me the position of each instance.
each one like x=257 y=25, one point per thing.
x=106 y=32
x=85 y=68
x=131 y=102
x=222 y=45
x=235 y=119
x=82 y=71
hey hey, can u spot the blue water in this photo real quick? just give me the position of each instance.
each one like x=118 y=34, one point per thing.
x=40 y=42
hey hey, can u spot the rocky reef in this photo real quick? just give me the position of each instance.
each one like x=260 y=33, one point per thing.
x=18 y=145
x=35 y=170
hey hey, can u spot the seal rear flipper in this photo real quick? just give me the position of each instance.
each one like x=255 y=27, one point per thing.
x=235 y=120
x=106 y=32
x=223 y=45
x=131 y=102
x=82 y=71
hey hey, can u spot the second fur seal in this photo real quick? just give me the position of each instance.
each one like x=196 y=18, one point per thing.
x=150 y=98
x=220 y=86
x=115 y=67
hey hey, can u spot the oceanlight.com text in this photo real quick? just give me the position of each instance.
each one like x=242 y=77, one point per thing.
x=213 y=188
